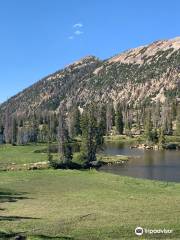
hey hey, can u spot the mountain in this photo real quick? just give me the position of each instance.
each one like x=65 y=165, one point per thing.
x=143 y=74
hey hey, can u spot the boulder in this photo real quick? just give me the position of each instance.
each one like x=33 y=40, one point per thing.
x=19 y=237
x=171 y=146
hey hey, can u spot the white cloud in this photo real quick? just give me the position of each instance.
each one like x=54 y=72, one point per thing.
x=77 y=32
x=78 y=25
x=71 y=37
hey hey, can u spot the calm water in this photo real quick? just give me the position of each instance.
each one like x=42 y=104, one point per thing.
x=159 y=165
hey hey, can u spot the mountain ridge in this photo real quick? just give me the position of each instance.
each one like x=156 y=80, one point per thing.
x=149 y=72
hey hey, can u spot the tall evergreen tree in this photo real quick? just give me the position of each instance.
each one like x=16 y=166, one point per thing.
x=14 y=131
x=156 y=116
x=91 y=143
x=100 y=132
x=77 y=119
x=109 y=117
x=113 y=115
x=178 y=121
x=167 y=118
x=101 y=125
x=35 y=128
x=102 y=119
x=138 y=119
x=90 y=133
x=65 y=148
x=148 y=127
x=1 y=133
x=52 y=125
x=49 y=155
x=84 y=123
x=119 y=120
x=161 y=138
x=127 y=123
x=8 y=125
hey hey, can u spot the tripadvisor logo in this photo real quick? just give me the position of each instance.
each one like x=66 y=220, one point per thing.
x=139 y=231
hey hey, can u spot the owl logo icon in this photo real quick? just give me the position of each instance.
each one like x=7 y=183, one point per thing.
x=139 y=231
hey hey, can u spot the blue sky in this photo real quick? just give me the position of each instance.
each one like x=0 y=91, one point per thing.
x=38 y=37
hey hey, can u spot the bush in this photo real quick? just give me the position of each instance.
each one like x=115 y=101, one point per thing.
x=58 y=164
x=80 y=158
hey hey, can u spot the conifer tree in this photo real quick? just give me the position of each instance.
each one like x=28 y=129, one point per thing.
x=34 y=128
x=77 y=118
x=52 y=125
x=14 y=131
x=90 y=134
x=100 y=132
x=65 y=148
x=49 y=155
x=156 y=115
x=91 y=143
x=167 y=117
x=101 y=125
x=109 y=117
x=102 y=119
x=127 y=124
x=8 y=125
x=178 y=122
x=161 y=138
x=1 y=134
x=119 y=120
x=148 y=127
x=113 y=115
x=84 y=123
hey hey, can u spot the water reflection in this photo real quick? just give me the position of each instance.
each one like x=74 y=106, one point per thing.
x=159 y=165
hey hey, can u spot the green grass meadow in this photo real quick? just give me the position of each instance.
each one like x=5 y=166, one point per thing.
x=81 y=205
x=84 y=205
x=21 y=154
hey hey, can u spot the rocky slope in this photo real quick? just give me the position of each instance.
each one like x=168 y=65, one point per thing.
x=147 y=73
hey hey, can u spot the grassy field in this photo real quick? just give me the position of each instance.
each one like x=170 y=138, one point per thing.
x=21 y=154
x=81 y=205
x=85 y=205
x=123 y=138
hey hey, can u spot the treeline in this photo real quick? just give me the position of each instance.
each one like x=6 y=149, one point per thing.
x=120 y=118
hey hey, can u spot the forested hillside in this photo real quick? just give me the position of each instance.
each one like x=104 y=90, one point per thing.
x=140 y=87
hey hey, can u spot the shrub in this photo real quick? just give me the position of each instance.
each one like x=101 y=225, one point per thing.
x=80 y=158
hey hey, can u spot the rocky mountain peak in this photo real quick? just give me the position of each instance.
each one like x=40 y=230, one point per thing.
x=140 y=54
x=85 y=60
x=143 y=74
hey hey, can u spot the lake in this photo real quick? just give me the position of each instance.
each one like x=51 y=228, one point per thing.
x=151 y=164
